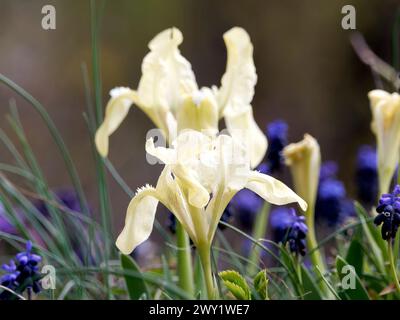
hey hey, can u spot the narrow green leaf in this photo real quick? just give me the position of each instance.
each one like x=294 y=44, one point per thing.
x=291 y=266
x=328 y=284
x=358 y=292
x=372 y=235
x=55 y=135
x=310 y=287
x=166 y=270
x=375 y=232
x=199 y=282
x=136 y=285
x=355 y=253
x=260 y=226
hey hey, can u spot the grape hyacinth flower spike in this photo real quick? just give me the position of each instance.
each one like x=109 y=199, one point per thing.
x=389 y=214
x=9 y=280
x=332 y=204
x=289 y=228
x=277 y=139
x=22 y=274
x=296 y=236
x=245 y=206
x=389 y=217
x=367 y=175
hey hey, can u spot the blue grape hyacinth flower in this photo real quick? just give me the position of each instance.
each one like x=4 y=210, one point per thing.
x=330 y=200
x=289 y=228
x=245 y=207
x=27 y=265
x=22 y=274
x=367 y=174
x=9 y=280
x=5 y=225
x=329 y=170
x=66 y=197
x=389 y=213
x=277 y=140
x=332 y=205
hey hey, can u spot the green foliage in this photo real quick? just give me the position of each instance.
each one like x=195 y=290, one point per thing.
x=310 y=287
x=356 y=293
x=260 y=282
x=376 y=244
x=355 y=252
x=236 y=284
x=137 y=288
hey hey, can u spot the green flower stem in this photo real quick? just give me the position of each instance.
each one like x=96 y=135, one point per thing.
x=393 y=266
x=315 y=254
x=299 y=274
x=259 y=229
x=205 y=258
x=396 y=247
x=185 y=268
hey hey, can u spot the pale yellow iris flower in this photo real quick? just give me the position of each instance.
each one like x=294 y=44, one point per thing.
x=169 y=95
x=385 y=108
x=304 y=160
x=201 y=175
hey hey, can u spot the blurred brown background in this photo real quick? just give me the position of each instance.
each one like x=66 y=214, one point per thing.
x=307 y=71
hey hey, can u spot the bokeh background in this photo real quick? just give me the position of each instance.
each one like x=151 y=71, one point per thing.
x=307 y=72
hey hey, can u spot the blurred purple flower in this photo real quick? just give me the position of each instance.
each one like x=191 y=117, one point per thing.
x=68 y=199
x=248 y=246
x=367 y=174
x=146 y=253
x=245 y=206
x=329 y=170
x=65 y=197
x=10 y=277
x=263 y=168
x=277 y=140
x=332 y=205
x=5 y=225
